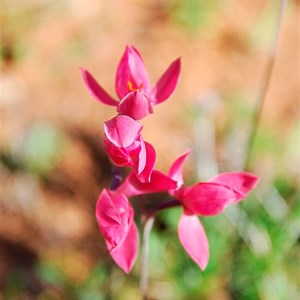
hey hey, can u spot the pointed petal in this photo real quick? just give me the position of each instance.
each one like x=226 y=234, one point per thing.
x=96 y=90
x=159 y=182
x=193 y=239
x=175 y=171
x=239 y=181
x=135 y=105
x=122 y=130
x=131 y=71
x=208 y=199
x=125 y=255
x=114 y=216
x=167 y=83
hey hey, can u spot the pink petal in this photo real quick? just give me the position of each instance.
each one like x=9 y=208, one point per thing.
x=167 y=83
x=131 y=71
x=96 y=90
x=208 y=199
x=122 y=130
x=159 y=182
x=119 y=156
x=139 y=158
x=144 y=162
x=175 y=171
x=125 y=255
x=193 y=239
x=114 y=216
x=239 y=181
x=135 y=105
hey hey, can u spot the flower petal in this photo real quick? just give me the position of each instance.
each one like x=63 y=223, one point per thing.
x=96 y=90
x=239 y=181
x=175 y=171
x=125 y=255
x=144 y=162
x=193 y=239
x=208 y=199
x=167 y=83
x=135 y=105
x=119 y=156
x=114 y=216
x=131 y=73
x=122 y=130
x=159 y=182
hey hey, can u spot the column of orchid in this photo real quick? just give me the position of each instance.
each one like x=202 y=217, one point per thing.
x=125 y=146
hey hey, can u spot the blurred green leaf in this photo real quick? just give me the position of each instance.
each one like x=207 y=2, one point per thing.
x=42 y=148
x=192 y=14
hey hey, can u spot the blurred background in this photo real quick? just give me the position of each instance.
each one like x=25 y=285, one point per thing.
x=52 y=165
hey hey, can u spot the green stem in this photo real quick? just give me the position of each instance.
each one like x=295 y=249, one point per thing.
x=265 y=84
x=145 y=254
x=148 y=224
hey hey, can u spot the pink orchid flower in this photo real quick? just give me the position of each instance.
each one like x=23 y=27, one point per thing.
x=132 y=85
x=205 y=199
x=115 y=220
x=115 y=216
x=125 y=146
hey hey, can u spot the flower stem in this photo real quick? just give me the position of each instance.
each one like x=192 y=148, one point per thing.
x=116 y=178
x=148 y=224
x=167 y=204
x=145 y=256
x=265 y=84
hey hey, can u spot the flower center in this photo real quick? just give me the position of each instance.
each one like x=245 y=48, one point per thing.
x=132 y=89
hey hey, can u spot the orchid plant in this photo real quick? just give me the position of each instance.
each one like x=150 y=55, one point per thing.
x=125 y=146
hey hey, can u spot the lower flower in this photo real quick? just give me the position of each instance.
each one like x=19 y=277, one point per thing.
x=115 y=218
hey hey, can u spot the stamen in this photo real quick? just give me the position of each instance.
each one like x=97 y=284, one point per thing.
x=132 y=89
x=130 y=86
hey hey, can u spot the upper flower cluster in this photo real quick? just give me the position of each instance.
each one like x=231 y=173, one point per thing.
x=126 y=147
x=123 y=140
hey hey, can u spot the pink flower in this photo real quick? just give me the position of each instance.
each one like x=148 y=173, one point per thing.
x=115 y=216
x=205 y=199
x=125 y=146
x=115 y=220
x=133 y=86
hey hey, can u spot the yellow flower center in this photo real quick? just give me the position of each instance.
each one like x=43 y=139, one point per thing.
x=132 y=89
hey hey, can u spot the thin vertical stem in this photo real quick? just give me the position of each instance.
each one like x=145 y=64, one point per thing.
x=145 y=256
x=116 y=178
x=265 y=83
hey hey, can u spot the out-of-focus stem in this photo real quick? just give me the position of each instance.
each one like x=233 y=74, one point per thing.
x=116 y=178
x=167 y=204
x=145 y=256
x=265 y=83
x=144 y=273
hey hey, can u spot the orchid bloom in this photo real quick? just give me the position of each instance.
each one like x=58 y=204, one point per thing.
x=132 y=85
x=205 y=199
x=115 y=220
x=115 y=216
x=125 y=146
